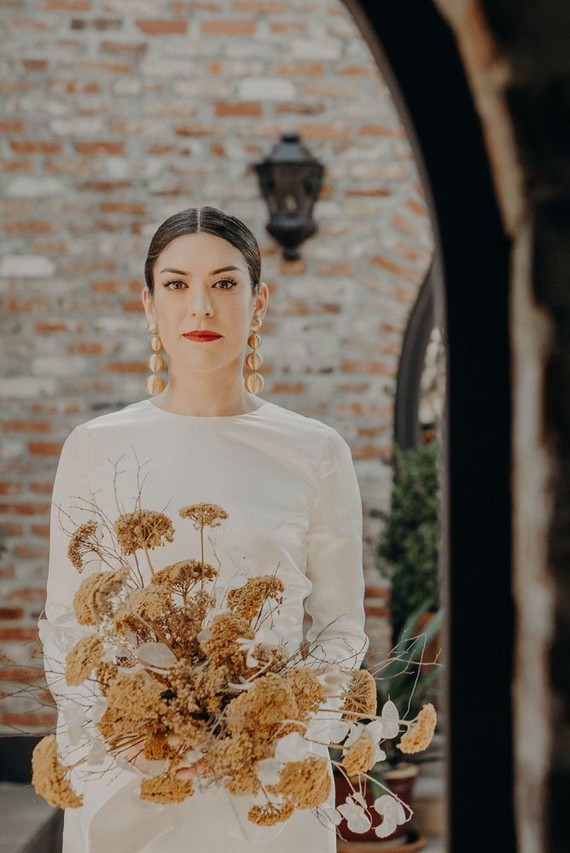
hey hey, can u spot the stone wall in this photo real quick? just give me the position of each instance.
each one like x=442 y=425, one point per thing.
x=117 y=113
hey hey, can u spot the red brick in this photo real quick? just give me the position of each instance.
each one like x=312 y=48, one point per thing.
x=217 y=149
x=132 y=208
x=381 y=130
x=288 y=27
x=16 y=166
x=35 y=146
x=86 y=347
x=45 y=448
x=18 y=633
x=29 y=226
x=104 y=186
x=30 y=594
x=24 y=508
x=68 y=5
x=28 y=721
x=369 y=451
x=27 y=552
x=325 y=131
x=187 y=130
x=281 y=387
x=354 y=365
x=301 y=68
x=7 y=613
x=252 y=109
x=73 y=87
x=34 y=64
x=42 y=530
x=127 y=366
x=261 y=7
x=336 y=268
x=227 y=27
x=124 y=47
x=376 y=609
x=41 y=488
x=106 y=66
x=131 y=306
x=43 y=326
x=416 y=207
x=22 y=674
x=24 y=306
x=10 y=488
x=12 y=528
x=353 y=70
x=11 y=125
x=377 y=592
x=99 y=24
x=163 y=28
x=27 y=426
x=93 y=148
x=183 y=7
x=104 y=286
x=369 y=192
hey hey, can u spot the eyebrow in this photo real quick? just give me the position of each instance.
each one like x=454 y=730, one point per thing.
x=214 y=272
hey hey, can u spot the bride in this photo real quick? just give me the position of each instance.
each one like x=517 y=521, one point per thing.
x=286 y=481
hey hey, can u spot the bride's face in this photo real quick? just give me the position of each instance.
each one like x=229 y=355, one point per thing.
x=202 y=282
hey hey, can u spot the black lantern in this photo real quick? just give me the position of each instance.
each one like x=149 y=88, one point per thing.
x=290 y=179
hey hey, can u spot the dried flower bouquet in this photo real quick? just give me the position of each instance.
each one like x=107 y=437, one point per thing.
x=184 y=688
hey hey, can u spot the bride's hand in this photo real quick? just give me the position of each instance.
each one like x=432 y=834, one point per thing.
x=189 y=771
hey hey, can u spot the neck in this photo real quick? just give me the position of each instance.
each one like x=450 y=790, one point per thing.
x=206 y=394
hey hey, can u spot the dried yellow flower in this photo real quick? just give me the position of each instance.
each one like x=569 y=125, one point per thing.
x=421 y=731
x=180 y=577
x=83 y=541
x=157 y=747
x=48 y=776
x=93 y=599
x=166 y=789
x=270 y=813
x=83 y=658
x=269 y=702
x=248 y=599
x=204 y=515
x=149 y=603
x=361 y=755
x=143 y=529
x=361 y=696
x=305 y=783
x=221 y=644
x=270 y=658
x=308 y=691
x=233 y=762
x=105 y=672
x=135 y=706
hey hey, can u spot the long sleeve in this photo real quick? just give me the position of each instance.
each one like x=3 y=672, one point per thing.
x=334 y=561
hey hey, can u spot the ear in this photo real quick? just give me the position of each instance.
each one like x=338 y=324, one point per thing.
x=148 y=305
x=261 y=300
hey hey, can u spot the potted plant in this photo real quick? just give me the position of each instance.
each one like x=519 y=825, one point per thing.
x=407 y=550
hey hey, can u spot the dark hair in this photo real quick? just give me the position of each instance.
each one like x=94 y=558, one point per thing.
x=211 y=221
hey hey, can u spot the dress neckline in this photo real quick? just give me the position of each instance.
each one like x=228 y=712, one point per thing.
x=254 y=412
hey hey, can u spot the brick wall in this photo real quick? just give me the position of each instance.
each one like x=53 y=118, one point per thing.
x=117 y=113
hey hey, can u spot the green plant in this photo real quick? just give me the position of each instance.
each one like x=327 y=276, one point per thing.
x=407 y=549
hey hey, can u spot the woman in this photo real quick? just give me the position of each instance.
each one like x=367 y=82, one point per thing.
x=287 y=483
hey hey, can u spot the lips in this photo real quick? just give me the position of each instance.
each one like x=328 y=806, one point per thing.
x=201 y=335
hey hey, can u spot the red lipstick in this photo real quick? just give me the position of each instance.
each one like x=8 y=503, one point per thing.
x=201 y=335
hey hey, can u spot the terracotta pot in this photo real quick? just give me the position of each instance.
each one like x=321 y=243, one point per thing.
x=400 y=780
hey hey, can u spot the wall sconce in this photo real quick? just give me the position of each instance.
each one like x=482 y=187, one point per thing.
x=290 y=180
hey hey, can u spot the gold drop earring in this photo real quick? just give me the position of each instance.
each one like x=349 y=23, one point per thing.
x=254 y=381
x=154 y=383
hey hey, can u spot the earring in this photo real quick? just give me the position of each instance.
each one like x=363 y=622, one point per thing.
x=154 y=383
x=254 y=381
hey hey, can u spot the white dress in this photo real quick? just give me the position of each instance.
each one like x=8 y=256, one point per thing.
x=290 y=490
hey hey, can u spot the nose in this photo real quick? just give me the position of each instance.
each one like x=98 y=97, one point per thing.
x=200 y=302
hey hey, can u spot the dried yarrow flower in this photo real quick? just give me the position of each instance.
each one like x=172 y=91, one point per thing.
x=143 y=529
x=269 y=657
x=48 y=776
x=93 y=599
x=361 y=696
x=157 y=748
x=166 y=789
x=221 y=646
x=308 y=690
x=267 y=705
x=83 y=541
x=149 y=603
x=420 y=732
x=180 y=577
x=270 y=813
x=248 y=599
x=105 y=672
x=233 y=762
x=83 y=658
x=305 y=783
x=361 y=755
x=204 y=515
x=134 y=706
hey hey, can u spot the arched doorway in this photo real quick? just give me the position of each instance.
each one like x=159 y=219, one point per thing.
x=417 y=55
